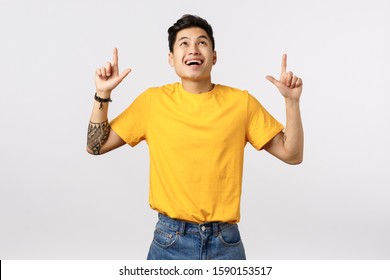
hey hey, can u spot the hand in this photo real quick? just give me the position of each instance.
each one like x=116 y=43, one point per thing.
x=290 y=86
x=107 y=77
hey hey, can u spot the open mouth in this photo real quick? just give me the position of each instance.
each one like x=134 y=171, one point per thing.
x=194 y=62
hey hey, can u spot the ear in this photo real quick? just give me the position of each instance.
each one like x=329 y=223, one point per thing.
x=170 y=59
x=214 y=57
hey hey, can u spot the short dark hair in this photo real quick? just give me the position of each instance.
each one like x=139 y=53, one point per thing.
x=188 y=21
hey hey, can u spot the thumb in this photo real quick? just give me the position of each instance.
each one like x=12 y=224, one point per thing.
x=124 y=74
x=273 y=80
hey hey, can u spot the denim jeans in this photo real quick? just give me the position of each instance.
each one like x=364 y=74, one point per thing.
x=179 y=240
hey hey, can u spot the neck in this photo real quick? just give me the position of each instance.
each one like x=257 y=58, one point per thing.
x=197 y=86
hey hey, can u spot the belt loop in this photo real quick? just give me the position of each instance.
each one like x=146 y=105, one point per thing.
x=216 y=228
x=182 y=228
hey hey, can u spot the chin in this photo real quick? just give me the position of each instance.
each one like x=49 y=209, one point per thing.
x=195 y=76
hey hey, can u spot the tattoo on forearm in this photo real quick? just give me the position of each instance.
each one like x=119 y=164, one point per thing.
x=97 y=136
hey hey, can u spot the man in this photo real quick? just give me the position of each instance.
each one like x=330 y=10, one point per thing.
x=196 y=132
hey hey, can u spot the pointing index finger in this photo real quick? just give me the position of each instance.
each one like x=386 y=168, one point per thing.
x=115 y=57
x=284 y=63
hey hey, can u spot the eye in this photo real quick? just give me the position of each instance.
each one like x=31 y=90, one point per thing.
x=184 y=44
x=203 y=43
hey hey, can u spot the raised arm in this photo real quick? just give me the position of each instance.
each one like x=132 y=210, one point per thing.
x=288 y=145
x=101 y=138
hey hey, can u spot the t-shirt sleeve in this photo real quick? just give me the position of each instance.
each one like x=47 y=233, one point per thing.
x=131 y=124
x=262 y=126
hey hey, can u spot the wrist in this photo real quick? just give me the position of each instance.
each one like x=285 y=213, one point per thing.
x=103 y=94
x=291 y=101
x=101 y=100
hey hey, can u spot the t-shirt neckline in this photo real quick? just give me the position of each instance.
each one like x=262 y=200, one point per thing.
x=202 y=95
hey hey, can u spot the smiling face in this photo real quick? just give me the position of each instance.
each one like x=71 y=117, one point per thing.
x=193 y=56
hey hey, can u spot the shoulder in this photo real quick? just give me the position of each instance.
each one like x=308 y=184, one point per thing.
x=168 y=88
x=244 y=96
x=230 y=89
x=157 y=92
x=231 y=92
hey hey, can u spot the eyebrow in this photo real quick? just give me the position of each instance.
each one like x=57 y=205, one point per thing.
x=200 y=37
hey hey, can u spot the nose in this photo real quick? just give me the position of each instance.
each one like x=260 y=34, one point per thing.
x=193 y=50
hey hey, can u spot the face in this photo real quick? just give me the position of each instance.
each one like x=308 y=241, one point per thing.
x=193 y=57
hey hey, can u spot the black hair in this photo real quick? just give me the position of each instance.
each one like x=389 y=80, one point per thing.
x=188 y=21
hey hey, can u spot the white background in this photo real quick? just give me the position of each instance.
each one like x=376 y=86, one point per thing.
x=58 y=202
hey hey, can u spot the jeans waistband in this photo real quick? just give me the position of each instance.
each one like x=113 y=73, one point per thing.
x=183 y=227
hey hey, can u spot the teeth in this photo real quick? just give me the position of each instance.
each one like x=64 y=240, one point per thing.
x=191 y=62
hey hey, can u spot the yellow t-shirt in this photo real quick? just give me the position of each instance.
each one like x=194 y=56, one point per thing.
x=196 y=146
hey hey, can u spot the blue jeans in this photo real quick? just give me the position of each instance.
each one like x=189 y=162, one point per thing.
x=179 y=240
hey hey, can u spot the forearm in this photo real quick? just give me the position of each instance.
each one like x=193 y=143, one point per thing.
x=98 y=128
x=107 y=78
x=293 y=137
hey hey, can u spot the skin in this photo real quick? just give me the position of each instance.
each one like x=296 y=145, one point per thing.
x=193 y=44
x=288 y=145
x=107 y=78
